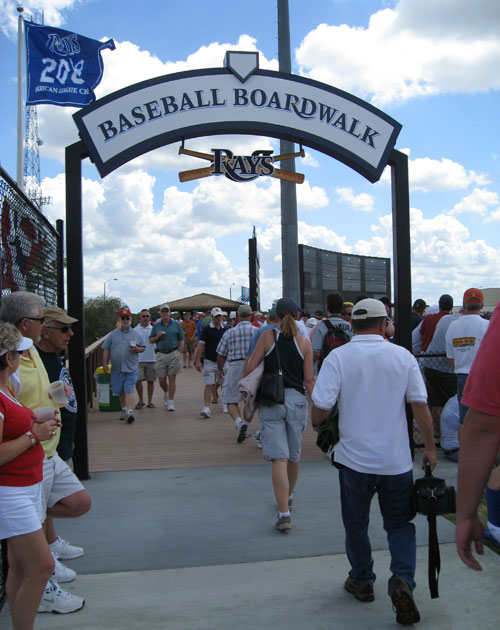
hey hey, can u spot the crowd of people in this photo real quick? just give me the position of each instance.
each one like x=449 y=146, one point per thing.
x=343 y=356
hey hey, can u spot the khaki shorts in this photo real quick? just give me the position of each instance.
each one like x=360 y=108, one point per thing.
x=147 y=372
x=190 y=347
x=230 y=391
x=168 y=364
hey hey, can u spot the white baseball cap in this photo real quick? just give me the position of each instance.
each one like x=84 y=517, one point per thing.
x=216 y=311
x=369 y=308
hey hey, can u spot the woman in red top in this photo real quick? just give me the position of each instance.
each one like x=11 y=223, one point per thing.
x=21 y=459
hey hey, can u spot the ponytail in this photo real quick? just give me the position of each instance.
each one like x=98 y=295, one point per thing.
x=288 y=326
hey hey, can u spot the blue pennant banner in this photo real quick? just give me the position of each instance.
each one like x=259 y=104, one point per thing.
x=63 y=68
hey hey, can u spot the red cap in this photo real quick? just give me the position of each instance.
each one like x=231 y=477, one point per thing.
x=473 y=296
x=125 y=311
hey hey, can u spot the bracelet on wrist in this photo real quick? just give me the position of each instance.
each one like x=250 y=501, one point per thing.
x=33 y=439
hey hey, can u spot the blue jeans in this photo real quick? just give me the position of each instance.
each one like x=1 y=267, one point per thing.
x=461 y=380
x=395 y=501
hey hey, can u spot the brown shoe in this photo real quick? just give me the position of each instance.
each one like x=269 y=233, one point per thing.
x=403 y=603
x=284 y=523
x=362 y=592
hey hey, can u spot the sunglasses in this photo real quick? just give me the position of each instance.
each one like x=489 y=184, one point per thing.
x=146 y=316
x=33 y=319
x=124 y=316
x=63 y=329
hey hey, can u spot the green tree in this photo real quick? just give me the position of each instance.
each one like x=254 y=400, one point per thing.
x=101 y=315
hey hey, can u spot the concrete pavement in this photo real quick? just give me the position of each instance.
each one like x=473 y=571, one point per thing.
x=195 y=548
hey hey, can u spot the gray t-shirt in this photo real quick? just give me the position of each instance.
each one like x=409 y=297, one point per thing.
x=320 y=331
x=118 y=345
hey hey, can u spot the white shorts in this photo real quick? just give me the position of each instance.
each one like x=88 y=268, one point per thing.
x=58 y=482
x=209 y=372
x=20 y=510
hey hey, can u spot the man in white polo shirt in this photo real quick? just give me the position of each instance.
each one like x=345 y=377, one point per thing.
x=372 y=380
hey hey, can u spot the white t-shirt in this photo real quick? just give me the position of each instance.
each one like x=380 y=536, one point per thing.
x=372 y=379
x=463 y=339
x=148 y=356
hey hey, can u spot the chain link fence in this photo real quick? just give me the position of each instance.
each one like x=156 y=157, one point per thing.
x=30 y=246
x=31 y=259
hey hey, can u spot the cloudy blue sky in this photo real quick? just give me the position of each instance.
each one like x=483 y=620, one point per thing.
x=433 y=66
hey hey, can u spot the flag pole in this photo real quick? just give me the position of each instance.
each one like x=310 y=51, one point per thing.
x=20 y=178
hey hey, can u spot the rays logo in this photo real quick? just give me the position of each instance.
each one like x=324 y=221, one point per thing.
x=242 y=168
x=63 y=46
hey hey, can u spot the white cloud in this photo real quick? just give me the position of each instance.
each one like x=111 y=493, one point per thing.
x=409 y=51
x=363 y=201
x=52 y=13
x=444 y=258
x=477 y=203
x=430 y=175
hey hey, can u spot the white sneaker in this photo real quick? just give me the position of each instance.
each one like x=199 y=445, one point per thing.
x=242 y=431
x=123 y=414
x=170 y=405
x=61 y=572
x=64 y=550
x=55 y=600
x=224 y=408
x=165 y=399
x=205 y=412
x=257 y=436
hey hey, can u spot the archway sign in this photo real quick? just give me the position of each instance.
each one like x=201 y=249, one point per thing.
x=239 y=98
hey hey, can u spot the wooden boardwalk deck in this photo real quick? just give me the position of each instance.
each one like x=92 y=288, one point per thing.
x=181 y=439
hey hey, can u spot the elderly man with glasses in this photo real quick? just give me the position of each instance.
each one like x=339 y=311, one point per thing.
x=123 y=345
x=169 y=339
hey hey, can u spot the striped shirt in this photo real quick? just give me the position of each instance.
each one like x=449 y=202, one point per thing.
x=234 y=344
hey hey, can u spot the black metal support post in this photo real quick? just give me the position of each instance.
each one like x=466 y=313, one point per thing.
x=60 y=263
x=75 y=153
x=401 y=246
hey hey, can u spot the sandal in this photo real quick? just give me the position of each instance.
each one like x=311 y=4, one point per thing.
x=151 y=406
x=140 y=405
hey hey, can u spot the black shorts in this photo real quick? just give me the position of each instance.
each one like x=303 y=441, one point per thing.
x=441 y=386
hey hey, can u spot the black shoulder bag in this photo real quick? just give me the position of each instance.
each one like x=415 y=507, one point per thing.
x=433 y=497
x=328 y=431
x=271 y=389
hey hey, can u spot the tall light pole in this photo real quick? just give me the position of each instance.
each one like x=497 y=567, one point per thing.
x=106 y=282
x=289 y=232
x=230 y=290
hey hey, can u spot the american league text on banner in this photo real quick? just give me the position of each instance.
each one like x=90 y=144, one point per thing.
x=63 y=68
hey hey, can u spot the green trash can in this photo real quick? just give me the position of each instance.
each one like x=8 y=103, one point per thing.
x=107 y=401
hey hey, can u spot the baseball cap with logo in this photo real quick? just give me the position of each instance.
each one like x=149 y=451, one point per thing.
x=216 y=311
x=473 y=296
x=367 y=308
x=124 y=312
x=244 y=310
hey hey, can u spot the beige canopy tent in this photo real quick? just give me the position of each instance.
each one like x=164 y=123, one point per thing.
x=200 y=302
